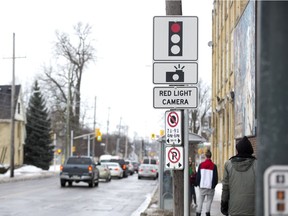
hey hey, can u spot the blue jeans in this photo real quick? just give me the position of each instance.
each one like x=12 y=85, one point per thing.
x=204 y=192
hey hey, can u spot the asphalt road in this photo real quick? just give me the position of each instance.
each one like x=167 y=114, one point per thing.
x=45 y=197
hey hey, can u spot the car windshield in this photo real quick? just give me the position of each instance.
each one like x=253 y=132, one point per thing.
x=79 y=160
x=149 y=161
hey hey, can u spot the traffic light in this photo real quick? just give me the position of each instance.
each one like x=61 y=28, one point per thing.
x=97 y=132
x=153 y=136
x=175 y=39
x=162 y=133
x=99 y=137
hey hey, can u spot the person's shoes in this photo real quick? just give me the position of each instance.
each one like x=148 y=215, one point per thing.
x=194 y=205
x=198 y=214
x=208 y=214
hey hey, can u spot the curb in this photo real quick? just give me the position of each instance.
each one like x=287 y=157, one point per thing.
x=27 y=177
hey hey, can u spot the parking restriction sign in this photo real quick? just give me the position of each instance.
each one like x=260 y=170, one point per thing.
x=173 y=128
x=174 y=158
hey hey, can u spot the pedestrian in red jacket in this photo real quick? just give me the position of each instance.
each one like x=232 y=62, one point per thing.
x=206 y=179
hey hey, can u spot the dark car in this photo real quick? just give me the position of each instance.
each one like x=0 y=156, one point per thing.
x=123 y=166
x=136 y=166
x=130 y=167
x=79 y=169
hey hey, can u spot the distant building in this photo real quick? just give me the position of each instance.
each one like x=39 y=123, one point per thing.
x=5 y=125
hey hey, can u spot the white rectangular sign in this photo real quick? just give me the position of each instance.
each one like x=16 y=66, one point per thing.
x=174 y=158
x=175 y=97
x=173 y=127
x=175 y=38
x=175 y=73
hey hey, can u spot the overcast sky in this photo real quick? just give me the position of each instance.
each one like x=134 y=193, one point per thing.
x=121 y=77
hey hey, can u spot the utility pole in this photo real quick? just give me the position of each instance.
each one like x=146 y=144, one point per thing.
x=12 y=136
x=12 y=112
x=174 y=7
x=94 y=127
x=126 y=141
x=272 y=106
x=67 y=149
x=106 y=146
x=118 y=139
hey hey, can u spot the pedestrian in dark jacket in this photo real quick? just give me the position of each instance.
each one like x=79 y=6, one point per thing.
x=238 y=185
x=192 y=181
x=206 y=179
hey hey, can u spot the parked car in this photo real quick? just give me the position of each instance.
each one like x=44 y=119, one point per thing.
x=147 y=171
x=77 y=169
x=135 y=165
x=130 y=166
x=149 y=161
x=123 y=166
x=152 y=161
x=115 y=169
x=104 y=172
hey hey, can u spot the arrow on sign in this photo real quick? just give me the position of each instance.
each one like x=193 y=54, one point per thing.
x=168 y=164
x=179 y=165
x=178 y=141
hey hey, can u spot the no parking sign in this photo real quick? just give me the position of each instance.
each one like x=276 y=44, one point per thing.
x=174 y=158
x=173 y=128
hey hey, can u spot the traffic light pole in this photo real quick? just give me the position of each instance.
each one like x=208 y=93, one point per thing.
x=272 y=107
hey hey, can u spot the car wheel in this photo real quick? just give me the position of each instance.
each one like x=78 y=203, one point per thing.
x=92 y=183
x=97 y=183
x=70 y=183
x=139 y=177
x=63 y=182
x=121 y=176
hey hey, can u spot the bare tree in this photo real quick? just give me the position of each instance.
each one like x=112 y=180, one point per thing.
x=197 y=116
x=77 y=57
x=64 y=81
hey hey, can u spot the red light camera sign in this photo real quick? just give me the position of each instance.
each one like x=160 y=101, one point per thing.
x=175 y=38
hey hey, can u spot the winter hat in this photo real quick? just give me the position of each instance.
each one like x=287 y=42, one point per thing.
x=244 y=147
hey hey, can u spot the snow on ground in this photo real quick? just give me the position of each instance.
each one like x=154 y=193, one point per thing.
x=29 y=170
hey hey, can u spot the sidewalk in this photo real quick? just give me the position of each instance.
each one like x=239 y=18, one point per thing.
x=153 y=208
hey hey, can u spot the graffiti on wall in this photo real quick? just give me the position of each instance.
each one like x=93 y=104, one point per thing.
x=244 y=68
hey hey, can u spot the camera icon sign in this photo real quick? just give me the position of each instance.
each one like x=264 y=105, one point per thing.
x=175 y=76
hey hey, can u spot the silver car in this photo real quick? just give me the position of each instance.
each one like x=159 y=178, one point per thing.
x=148 y=171
x=104 y=172
x=115 y=169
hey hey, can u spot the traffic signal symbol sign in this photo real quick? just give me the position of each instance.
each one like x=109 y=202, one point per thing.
x=175 y=39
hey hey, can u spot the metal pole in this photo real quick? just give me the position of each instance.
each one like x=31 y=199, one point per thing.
x=186 y=164
x=88 y=148
x=272 y=107
x=71 y=142
x=161 y=173
x=54 y=142
x=12 y=113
